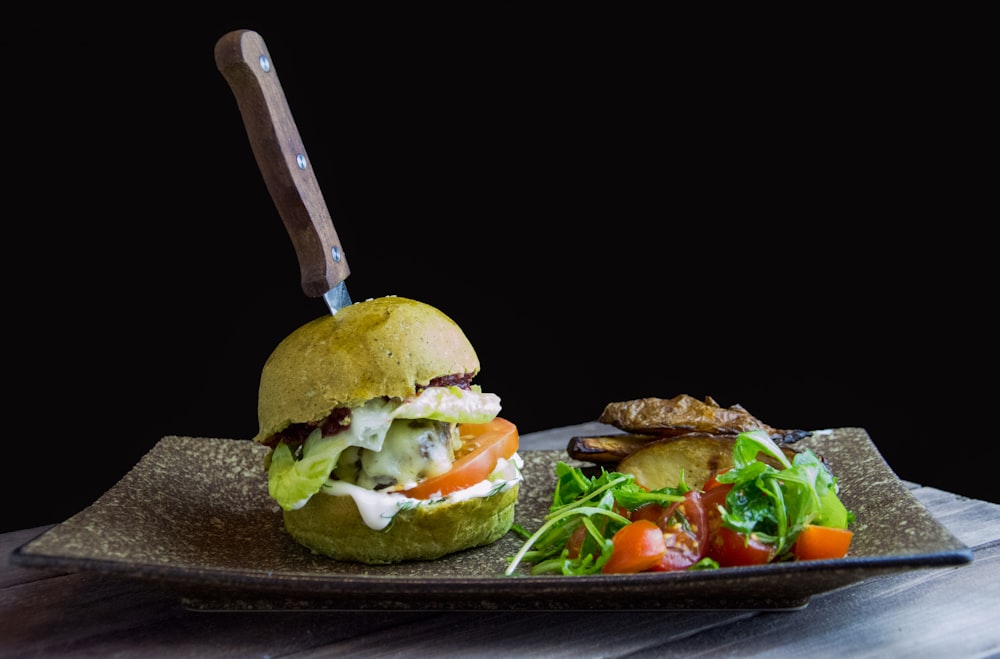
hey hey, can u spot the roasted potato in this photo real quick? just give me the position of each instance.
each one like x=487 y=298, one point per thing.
x=696 y=456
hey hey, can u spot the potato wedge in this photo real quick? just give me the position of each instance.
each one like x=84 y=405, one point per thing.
x=698 y=456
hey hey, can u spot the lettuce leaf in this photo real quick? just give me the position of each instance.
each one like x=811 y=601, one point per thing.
x=292 y=482
x=450 y=404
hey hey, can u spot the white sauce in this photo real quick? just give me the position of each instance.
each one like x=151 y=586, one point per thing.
x=378 y=508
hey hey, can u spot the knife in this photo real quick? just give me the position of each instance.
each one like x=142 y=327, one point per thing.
x=243 y=59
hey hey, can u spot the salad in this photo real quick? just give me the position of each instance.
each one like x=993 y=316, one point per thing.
x=749 y=514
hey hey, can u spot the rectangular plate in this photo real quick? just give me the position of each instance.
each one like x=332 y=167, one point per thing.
x=193 y=516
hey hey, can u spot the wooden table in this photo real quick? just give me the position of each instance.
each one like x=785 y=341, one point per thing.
x=951 y=611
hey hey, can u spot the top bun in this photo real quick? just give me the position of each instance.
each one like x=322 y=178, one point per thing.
x=384 y=346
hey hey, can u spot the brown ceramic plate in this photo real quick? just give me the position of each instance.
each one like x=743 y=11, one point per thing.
x=193 y=516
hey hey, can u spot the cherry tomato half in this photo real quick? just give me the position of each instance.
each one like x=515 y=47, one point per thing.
x=637 y=546
x=686 y=539
x=729 y=548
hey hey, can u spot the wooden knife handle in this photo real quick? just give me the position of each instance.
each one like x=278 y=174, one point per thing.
x=242 y=58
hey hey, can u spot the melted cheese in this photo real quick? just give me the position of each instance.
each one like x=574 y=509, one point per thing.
x=410 y=451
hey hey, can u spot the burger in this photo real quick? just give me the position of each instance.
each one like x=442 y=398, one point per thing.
x=382 y=448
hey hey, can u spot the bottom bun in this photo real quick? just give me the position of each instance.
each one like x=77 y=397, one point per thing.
x=332 y=526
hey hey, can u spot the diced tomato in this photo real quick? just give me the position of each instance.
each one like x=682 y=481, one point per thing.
x=817 y=542
x=637 y=546
x=488 y=443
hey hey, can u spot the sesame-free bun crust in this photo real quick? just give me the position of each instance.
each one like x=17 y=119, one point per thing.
x=332 y=526
x=380 y=347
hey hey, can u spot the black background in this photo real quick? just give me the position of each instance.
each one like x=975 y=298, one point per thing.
x=612 y=207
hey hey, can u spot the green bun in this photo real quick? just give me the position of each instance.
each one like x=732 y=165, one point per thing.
x=332 y=526
x=384 y=346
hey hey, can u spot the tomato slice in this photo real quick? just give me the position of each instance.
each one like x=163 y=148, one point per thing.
x=483 y=444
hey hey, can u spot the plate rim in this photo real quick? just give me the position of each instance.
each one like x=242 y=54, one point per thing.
x=210 y=588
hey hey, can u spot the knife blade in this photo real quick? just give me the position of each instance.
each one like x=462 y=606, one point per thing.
x=244 y=61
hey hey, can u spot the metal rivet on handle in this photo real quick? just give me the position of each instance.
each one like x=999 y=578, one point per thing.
x=335 y=253
x=300 y=160
x=265 y=63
